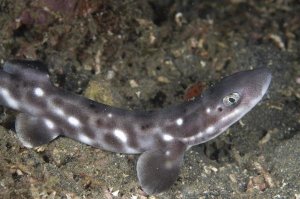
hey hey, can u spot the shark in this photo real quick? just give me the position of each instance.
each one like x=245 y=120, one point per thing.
x=160 y=136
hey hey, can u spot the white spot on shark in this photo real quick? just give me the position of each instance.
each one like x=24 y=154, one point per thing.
x=39 y=92
x=56 y=109
x=109 y=115
x=131 y=150
x=74 y=121
x=83 y=138
x=59 y=111
x=210 y=129
x=167 y=137
x=9 y=99
x=179 y=121
x=199 y=135
x=49 y=123
x=208 y=110
x=120 y=135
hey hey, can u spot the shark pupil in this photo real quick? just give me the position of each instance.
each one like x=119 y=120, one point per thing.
x=231 y=99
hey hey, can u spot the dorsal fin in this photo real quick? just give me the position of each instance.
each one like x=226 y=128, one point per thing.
x=28 y=69
x=158 y=169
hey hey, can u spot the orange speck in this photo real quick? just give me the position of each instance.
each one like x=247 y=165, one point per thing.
x=194 y=90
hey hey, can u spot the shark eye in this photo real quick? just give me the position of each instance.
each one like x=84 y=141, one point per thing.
x=231 y=99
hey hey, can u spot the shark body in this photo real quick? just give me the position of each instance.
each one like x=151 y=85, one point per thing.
x=162 y=136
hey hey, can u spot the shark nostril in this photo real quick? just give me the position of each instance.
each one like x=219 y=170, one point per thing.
x=220 y=109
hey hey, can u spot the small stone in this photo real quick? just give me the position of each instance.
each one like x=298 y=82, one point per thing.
x=115 y=193
x=133 y=83
x=163 y=79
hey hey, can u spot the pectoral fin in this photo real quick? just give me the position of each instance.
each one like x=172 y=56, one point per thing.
x=158 y=169
x=33 y=131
